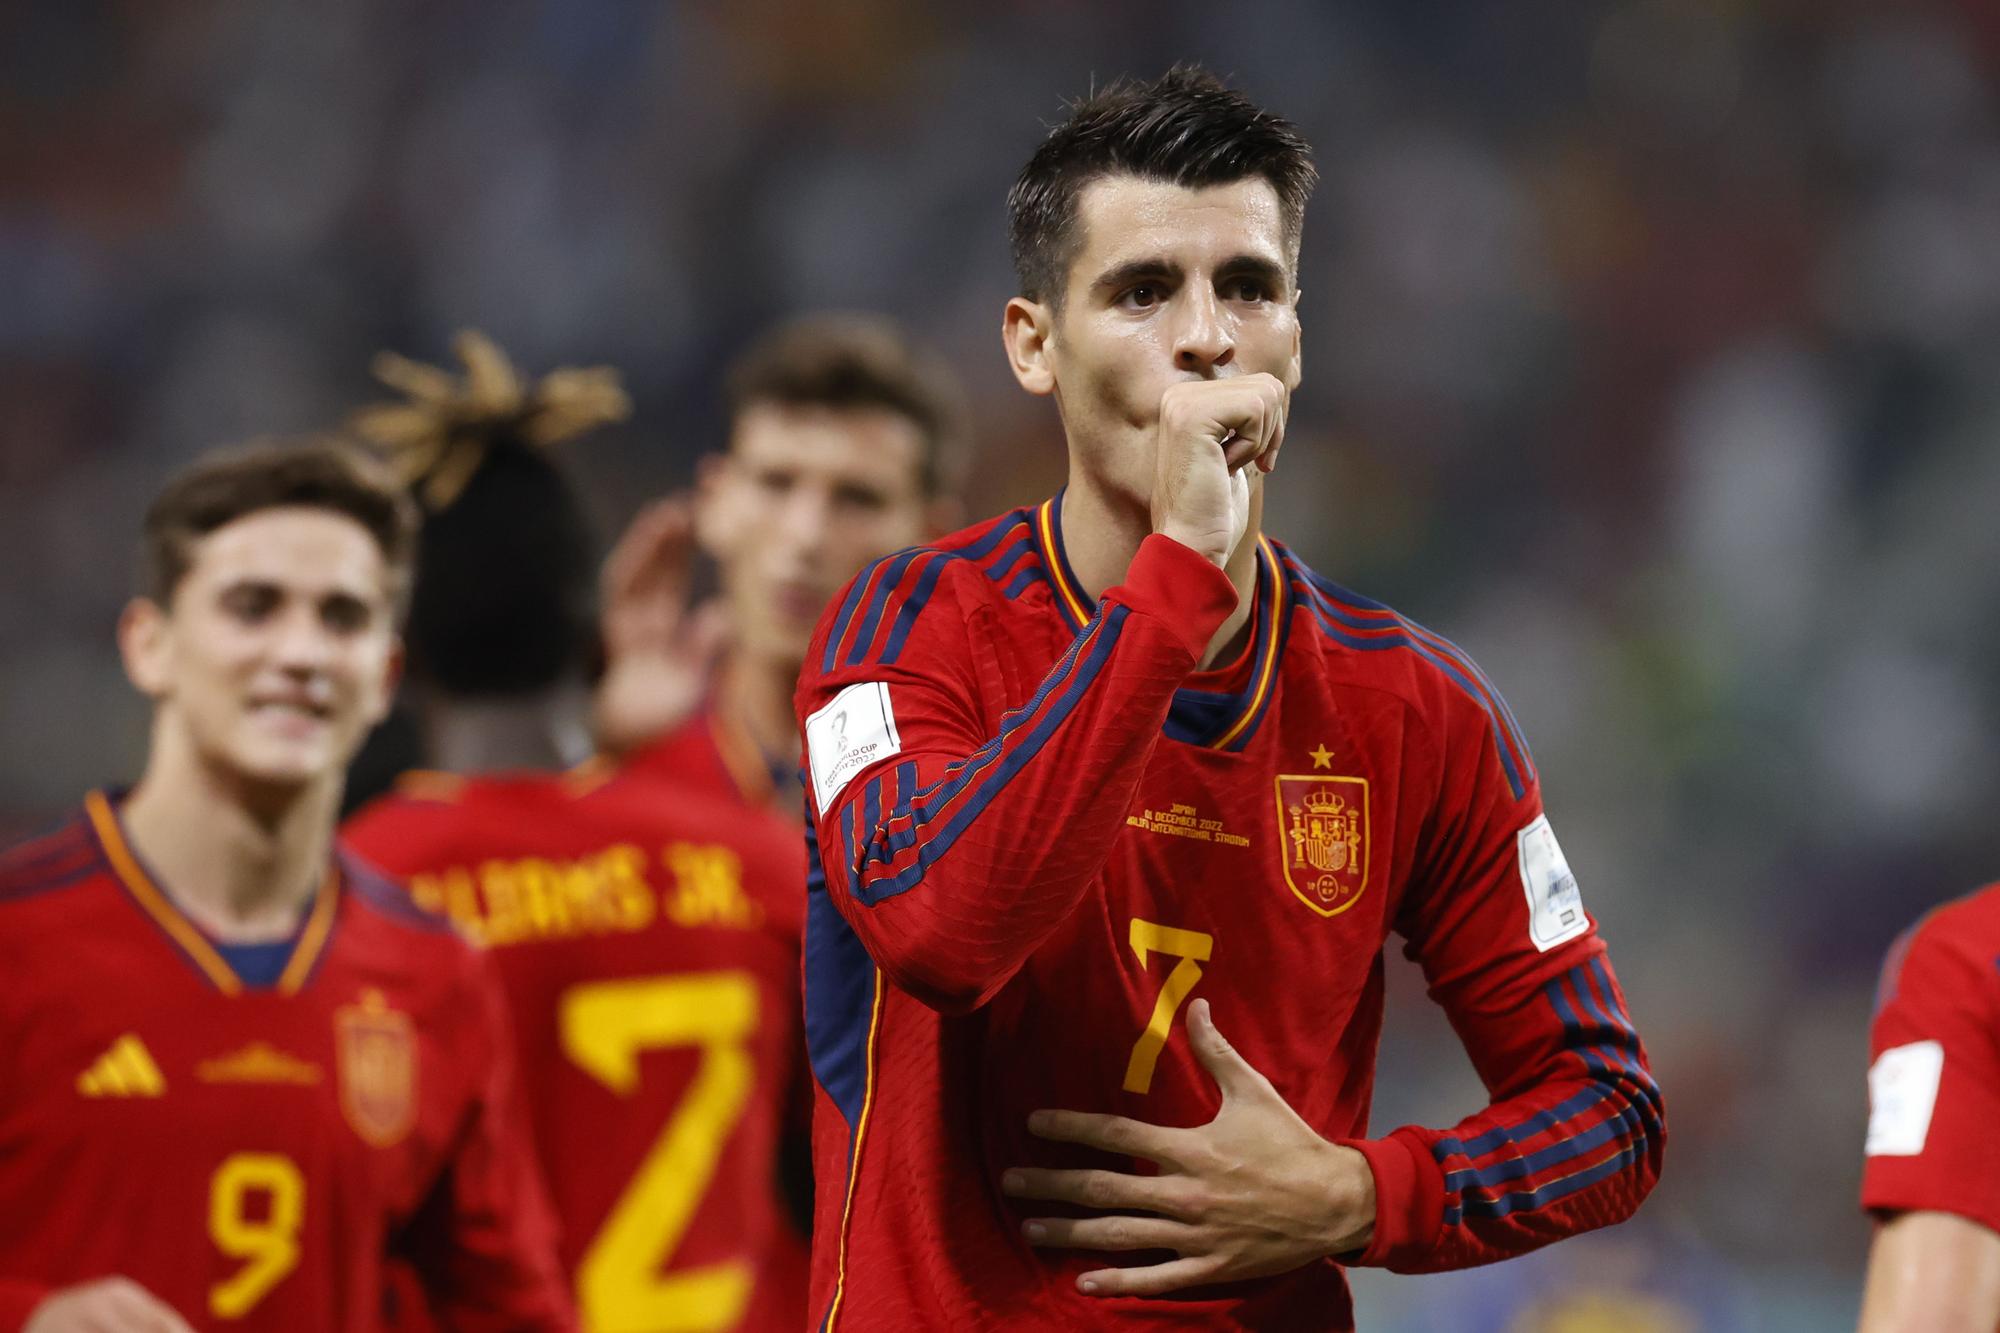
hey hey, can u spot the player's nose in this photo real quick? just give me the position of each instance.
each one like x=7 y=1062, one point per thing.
x=1203 y=340
x=299 y=643
x=805 y=519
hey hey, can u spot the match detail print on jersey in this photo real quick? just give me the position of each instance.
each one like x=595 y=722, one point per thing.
x=851 y=732
x=1555 y=905
x=1902 y=1093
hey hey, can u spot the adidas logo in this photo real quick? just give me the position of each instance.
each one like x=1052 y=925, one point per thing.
x=126 y=1070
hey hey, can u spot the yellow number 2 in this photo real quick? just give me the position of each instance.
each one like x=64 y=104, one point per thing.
x=604 y=1027
x=269 y=1240
x=1192 y=948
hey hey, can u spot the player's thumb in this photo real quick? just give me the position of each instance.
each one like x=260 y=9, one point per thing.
x=1231 y=1072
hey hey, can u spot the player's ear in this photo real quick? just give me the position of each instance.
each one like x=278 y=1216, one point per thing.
x=1294 y=367
x=711 y=503
x=142 y=644
x=1026 y=329
x=392 y=678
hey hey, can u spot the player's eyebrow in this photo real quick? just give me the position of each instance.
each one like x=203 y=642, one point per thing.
x=1266 y=270
x=1135 y=271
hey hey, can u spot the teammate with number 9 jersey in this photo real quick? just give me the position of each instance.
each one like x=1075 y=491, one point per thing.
x=238 y=1071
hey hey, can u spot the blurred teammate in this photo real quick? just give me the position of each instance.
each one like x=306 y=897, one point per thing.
x=842 y=444
x=1932 y=1177
x=647 y=932
x=236 y=1069
x=1083 y=769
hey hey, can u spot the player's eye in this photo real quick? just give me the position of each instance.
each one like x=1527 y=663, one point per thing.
x=1246 y=289
x=776 y=482
x=250 y=602
x=862 y=498
x=346 y=615
x=1143 y=296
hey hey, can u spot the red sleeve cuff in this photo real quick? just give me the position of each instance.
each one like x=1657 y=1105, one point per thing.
x=1179 y=588
x=1959 y=1197
x=1409 y=1201
x=18 y=1300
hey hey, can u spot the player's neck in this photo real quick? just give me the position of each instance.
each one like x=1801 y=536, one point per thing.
x=535 y=732
x=242 y=861
x=756 y=693
x=1101 y=533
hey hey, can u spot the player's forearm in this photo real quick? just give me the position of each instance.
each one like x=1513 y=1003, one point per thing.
x=1932 y=1272
x=952 y=883
x=1578 y=1148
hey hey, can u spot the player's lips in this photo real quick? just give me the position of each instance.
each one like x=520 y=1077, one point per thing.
x=293 y=714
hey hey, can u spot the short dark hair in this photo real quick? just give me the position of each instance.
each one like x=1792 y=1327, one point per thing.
x=220 y=487
x=1186 y=127
x=846 y=362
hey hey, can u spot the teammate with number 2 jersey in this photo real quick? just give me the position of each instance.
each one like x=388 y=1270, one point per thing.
x=646 y=933
x=1083 y=771
x=647 y=938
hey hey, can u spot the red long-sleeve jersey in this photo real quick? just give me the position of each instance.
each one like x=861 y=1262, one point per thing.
x=647 y=936
x=1934 y=1073
x=251 y=1154
x=1041 y=830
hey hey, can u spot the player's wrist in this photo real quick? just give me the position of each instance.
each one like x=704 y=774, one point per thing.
x=1347 y=1183
x=1207 y=541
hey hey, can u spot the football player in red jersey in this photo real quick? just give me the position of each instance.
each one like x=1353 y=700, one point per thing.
x=843 y=441
x=239 y=1070
x=1087 y=768
x=646 y=930
x=1932 y=1177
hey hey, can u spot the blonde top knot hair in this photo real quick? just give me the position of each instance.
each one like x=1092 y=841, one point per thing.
x=436 y=438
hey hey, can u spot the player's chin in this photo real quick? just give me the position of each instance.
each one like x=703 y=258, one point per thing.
x=288 y=762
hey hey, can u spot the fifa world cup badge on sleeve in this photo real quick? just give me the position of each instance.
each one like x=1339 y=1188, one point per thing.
x=848 y=735
x=1902 y=1094
x=1555 y=906
x=1323 y=839
x=377 y=1049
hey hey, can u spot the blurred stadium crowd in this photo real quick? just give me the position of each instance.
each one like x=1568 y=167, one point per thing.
x=1653 y=353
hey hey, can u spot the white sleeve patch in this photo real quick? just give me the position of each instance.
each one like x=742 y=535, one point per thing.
x=853 y=731
x=1555 y=907
x=1902 y=1093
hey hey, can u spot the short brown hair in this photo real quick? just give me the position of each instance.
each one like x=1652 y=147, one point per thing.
x=1186 y=127
x=220 y=487
x=847 y=362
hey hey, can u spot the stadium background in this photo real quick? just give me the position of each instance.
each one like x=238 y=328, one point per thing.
x=1653 y=354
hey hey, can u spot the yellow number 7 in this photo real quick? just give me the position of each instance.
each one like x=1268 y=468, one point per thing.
x=1192 y=948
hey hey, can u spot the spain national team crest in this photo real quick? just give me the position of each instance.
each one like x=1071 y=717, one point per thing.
x=377 y=1050
x=1323 y=839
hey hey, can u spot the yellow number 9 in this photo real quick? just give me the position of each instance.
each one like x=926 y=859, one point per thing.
x=270 y=1242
